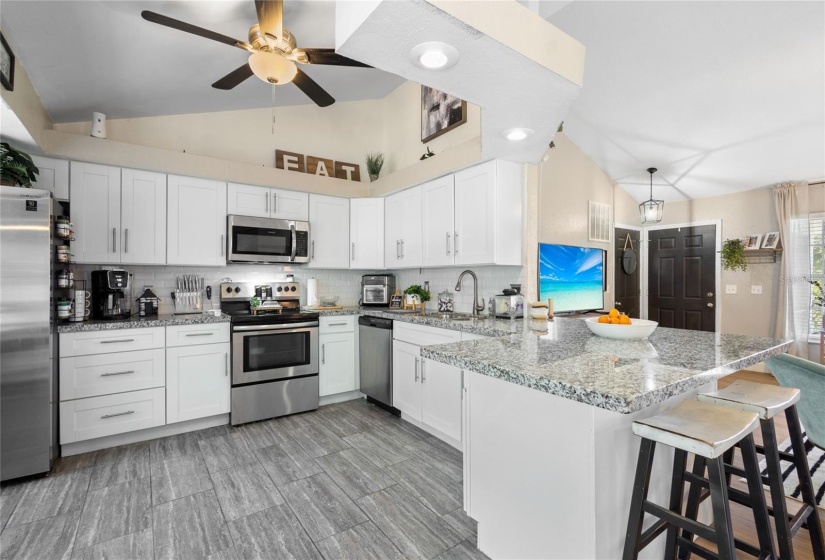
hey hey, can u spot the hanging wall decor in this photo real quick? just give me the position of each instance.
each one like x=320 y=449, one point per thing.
x=293 y=161
x=6 y=64
x=440 y=112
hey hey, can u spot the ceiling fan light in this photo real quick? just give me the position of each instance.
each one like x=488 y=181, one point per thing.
x=434 y=55
x=272 y=68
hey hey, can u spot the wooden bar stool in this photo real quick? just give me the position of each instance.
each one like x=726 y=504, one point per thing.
x=767 y=401
x=707 y=431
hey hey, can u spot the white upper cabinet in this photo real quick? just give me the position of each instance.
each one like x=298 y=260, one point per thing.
x=366 y=233
x=438 y=220
x=403 y=229
x=95 y=212
x=329 y=232
x=143 y=217
x=289 y=205
x=263 y=202
x=474 y=238
x=196 y=227
x=53 y=176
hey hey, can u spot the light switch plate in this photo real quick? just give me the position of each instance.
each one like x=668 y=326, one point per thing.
x=756 y=290
x=730 y=288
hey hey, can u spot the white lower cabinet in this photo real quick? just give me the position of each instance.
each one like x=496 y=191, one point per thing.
x=406 y=389
x=337 y=372
x=441 y=397
x=197 y=381
x=95 y=417
x=103 y=374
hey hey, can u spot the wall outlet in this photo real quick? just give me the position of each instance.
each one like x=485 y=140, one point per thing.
x=730 y=288
x=756 y=290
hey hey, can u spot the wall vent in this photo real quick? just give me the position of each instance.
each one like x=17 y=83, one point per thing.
x=599 y=227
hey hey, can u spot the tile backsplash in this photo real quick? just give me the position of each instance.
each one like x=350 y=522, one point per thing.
x=344 y=283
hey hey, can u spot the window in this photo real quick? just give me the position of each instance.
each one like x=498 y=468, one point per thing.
x=816 y=224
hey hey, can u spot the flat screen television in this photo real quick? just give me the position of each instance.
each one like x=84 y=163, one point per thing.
x=572 y=276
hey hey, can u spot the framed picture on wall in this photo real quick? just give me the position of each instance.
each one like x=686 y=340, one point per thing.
x=440 y=112
x=752 y=241
x=6 y=64
x=771 y=240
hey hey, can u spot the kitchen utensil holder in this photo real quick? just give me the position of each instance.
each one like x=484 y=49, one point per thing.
x=187 y=302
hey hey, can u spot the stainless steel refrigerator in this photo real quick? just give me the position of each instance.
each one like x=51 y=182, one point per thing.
x=28 y=407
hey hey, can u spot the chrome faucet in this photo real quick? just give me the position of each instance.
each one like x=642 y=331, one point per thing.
x=476 y=307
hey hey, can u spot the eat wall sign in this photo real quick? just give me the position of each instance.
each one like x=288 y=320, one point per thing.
x=291 y=161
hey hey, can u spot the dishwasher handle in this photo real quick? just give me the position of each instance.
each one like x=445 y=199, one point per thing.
x=375 y=322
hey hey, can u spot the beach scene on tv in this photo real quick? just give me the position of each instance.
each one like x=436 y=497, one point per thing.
x=572 y=276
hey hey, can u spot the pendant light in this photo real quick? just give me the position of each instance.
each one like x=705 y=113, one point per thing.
x=651 y=210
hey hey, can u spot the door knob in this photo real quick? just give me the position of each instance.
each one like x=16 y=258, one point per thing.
x=710 y=294
x=618 y=304
x=710 y=304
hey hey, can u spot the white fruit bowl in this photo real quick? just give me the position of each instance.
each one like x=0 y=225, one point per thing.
x=640 y=329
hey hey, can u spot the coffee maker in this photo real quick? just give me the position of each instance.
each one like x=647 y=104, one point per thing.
x=108 y=298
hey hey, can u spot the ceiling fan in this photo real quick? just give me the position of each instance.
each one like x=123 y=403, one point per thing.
x=273 y=49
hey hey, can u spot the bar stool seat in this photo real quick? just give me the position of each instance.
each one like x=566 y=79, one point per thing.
x=698 y=427
x=763 y=399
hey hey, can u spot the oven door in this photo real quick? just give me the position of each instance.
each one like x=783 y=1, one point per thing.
x=267 y=353
x=266 y=240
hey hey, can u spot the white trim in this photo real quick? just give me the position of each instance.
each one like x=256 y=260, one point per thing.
x=340 y=397
x=718 y=265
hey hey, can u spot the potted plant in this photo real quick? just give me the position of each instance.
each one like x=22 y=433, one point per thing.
x=733 y=255
x=818 y=298
x=16 y=167
x=416 y=294
x=375 y=161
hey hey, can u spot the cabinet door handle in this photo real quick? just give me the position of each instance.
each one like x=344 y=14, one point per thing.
x=448 y=243
x=312 y=256
x=200 y=334
x=226 y=364
x=397 y=249
x=323 y=353
x=117 y=414
x=337 y=324
x=222 y=247
x=416 y=370
x=126 y=240
x=274 y=203
x=114 y=245
x=353 y=251
x=117 y=373
x=422 y=370
x=455 y=243
x=402 y=248
x=120 y=340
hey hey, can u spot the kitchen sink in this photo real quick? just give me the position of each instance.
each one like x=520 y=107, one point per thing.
x=451 y=316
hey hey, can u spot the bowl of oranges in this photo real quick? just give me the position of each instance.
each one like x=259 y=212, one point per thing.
x=619 y=325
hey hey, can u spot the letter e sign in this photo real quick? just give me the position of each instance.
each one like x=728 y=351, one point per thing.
x=289 y=161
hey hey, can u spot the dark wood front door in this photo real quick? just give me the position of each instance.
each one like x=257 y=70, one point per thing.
x=627 y=296
x=682 y=277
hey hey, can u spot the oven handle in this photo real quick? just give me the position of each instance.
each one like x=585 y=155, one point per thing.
x=294 y=242
x=286 y=326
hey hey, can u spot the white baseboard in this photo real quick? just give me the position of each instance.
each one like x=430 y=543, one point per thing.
x=430 y=430
x=96 y=444
x=340 y=397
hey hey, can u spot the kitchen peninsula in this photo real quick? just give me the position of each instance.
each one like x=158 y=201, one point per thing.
x=549 y=454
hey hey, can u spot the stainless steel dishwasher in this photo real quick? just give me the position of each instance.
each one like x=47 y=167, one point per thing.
x=375 y=349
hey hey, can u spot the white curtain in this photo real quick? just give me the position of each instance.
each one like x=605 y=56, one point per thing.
x=794 y=303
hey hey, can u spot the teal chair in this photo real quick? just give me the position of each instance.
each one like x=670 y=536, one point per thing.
x=809 y=378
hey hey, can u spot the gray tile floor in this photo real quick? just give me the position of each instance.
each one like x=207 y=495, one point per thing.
x=345 y=481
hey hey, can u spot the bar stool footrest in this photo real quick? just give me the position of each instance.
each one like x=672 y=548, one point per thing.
x=679 y=521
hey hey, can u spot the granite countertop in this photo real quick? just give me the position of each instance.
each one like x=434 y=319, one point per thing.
x=618 y=375
x=136 y=322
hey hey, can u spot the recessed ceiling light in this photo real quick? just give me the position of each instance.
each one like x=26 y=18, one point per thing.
x=434 y=55
x=516 y=134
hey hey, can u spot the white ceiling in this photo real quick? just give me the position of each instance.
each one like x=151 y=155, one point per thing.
x=720 y=96
x=92 y=55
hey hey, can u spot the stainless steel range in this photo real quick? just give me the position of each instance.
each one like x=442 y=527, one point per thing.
x=274 y=351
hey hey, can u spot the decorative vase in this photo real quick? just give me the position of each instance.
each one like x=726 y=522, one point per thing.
x=8 y=182
x=373 y=177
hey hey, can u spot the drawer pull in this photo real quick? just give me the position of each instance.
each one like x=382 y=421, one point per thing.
x=118 y=414
x=200 y=334
x=121 y=340
x=117 y=373
x=342 y=324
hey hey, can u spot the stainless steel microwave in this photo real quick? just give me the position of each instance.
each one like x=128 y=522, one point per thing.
x=266 y=240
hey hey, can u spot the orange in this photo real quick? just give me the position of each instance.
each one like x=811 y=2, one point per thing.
x=614 y=313
x=604 y=319
x=614 y=320
x=624 y=320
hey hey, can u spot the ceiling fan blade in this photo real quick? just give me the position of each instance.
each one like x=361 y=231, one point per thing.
x=329 y=57
x=270 y=16
x=234 y=78
x=311 y=88
x=193 y=29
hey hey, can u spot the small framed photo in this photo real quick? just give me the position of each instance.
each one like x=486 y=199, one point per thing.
x=395 y=301
x=771 y=240
x=6 y=64
x=752 y=241
x=440 y=113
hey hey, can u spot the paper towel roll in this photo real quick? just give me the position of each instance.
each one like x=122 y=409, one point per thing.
x=312 y=292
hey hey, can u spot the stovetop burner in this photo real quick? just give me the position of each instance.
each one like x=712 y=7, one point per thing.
x=236 y=297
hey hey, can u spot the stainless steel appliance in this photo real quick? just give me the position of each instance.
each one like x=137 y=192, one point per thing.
x=108 y=298
x=375 y=353
x=274 y=351
x=376 y=290
x=28 y=381
x=266 y=240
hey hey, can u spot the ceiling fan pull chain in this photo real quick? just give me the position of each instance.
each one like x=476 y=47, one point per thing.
x=273 y=108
